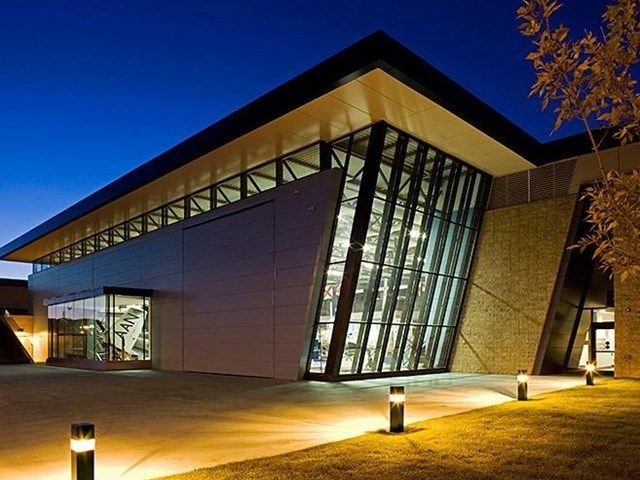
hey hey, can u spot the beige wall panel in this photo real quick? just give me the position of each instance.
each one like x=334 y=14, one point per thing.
x=511 y=286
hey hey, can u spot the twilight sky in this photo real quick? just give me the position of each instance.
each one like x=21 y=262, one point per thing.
x=90 y=89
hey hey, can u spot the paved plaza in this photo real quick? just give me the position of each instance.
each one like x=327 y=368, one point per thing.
x=152 y=423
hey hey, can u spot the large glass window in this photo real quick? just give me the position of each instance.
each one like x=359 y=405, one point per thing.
x=347 y=154
x=414 y=264
x=108 y=327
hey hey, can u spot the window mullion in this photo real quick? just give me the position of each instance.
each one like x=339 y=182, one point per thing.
x=362 y=213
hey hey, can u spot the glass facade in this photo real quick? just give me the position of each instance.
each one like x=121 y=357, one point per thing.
x=403 y=241
x=108 y=327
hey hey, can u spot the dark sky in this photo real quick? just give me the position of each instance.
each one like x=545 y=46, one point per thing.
x=91 y=89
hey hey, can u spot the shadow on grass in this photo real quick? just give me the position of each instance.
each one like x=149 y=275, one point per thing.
x=407 y=430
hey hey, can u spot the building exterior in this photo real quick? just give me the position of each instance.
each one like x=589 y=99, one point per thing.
x=369 y=217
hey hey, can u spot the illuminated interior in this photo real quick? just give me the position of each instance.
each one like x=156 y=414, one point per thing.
x=600 y=349
x=411 y=271
x=103 y=328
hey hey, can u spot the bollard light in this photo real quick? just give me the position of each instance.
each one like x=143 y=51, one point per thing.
x=523 y=384
x=83 y=446
x=396 y=409
x=590 y=373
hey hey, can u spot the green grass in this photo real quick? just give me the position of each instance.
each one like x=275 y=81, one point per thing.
x=581 y=433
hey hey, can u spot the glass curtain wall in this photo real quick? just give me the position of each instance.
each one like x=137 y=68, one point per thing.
x=414 y=263
x=347 y=154
x=107 y=327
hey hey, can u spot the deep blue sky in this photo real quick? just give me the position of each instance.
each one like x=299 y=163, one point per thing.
x=91 y=89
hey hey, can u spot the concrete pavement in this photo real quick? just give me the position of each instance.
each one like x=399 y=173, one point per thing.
x=152 y=423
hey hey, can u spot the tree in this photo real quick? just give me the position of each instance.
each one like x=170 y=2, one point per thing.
x=590 y=78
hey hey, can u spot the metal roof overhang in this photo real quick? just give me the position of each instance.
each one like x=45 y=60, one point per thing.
x=375 y=79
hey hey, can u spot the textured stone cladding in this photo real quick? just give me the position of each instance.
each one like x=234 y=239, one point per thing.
x=512 y=283
x=627 y=332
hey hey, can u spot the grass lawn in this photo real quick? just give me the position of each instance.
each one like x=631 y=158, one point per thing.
x=581 y=433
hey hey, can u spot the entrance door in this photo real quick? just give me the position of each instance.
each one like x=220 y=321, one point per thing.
x=602 y=345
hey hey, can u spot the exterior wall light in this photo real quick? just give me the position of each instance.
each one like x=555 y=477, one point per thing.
x=396 y=409
x=83 y=446
x=591 y=373
x=523 y=385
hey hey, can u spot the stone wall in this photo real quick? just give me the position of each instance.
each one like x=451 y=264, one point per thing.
x=627 y=309
x=513 y=280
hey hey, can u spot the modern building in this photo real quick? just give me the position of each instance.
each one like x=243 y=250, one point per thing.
x=369 y=217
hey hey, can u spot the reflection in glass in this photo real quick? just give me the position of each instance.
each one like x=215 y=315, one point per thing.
x=105 y=327
x=347 y=154
x=413 y=267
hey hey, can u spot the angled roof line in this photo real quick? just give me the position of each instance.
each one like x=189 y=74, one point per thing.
x=377 y=50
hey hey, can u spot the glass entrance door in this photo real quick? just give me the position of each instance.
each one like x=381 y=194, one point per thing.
x=599 y=343
x=603 y=345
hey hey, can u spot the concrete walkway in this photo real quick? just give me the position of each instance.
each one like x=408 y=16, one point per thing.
x=153 y=423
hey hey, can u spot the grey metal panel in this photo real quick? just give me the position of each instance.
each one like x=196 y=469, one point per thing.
x=251 y=271
x=547 y=181
x=217 y=345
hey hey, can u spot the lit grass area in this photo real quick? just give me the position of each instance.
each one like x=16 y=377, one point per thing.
x=581 y=433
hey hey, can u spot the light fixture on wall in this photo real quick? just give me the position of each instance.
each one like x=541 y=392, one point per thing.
x=396 y=409
x=523 y=385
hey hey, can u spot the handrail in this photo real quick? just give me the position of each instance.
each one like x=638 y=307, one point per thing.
x=11 y=323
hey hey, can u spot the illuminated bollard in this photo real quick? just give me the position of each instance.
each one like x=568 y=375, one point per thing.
x=591 y=373
x=523 y=385
x=83 y=446
x=396 y=409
